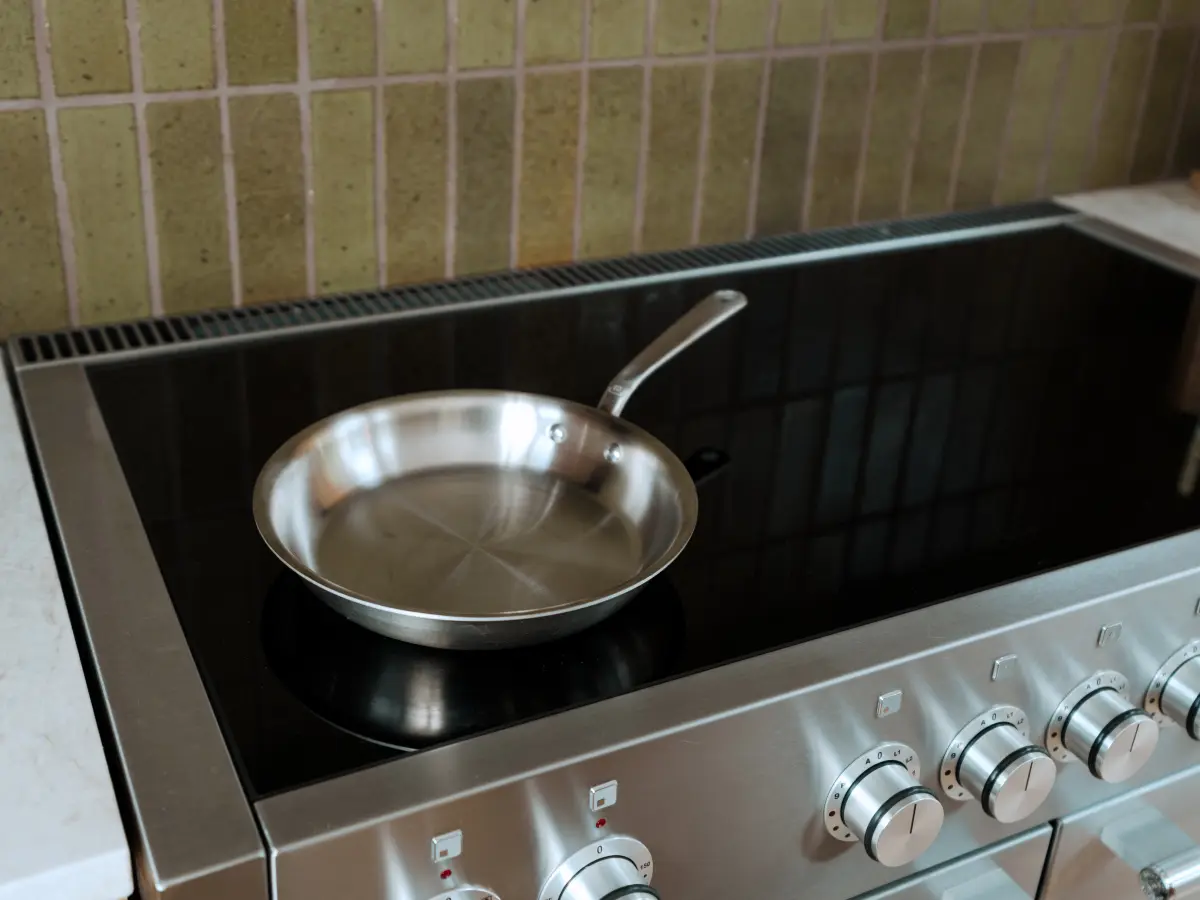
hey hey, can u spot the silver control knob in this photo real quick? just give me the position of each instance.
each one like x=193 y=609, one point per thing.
x=1174 y=693
x=992 y=759
x=878 y=800
x=1095 y=723
x=616 y=867
x=466 y=893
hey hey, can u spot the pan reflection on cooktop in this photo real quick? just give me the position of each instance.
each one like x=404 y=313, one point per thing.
x=410 y=697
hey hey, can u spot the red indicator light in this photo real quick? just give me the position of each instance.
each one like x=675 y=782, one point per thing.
x=600 y=823
x=446 y=873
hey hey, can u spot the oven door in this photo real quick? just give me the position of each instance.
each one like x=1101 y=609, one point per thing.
x=1009 y=870
x=1148 y=838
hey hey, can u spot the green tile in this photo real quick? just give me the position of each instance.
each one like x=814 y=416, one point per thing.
x=790 y=103
x=1097 y=12
x=177 y=49
x=486 y=31
x=1029 y=126
x=742 y=24
x=34 y=296
x=187 y=168
x=1054 y=13
x=732 y=120
x=18 y=67
x=341 y=38
x=260 y=41
x=1187 y=150
x=941 y=113
x=676 y=97
x=610 y=164
x=485 y=162
x=800 y=22
x=906 y=19
x=959 y=16
x=893 y=119
x=553 y=31
x=839 y=140
x=1070 y=154
x=1168 y=81
x=986 y=120
x=1183 y=12
x=89 y=46
x=854 y=20
x=1125 y=82
x=1142 y=10
x=1008 y=15
x=416 y=181
x=546 y=217
x=618 y=29
x=270 y=196
x=681 y=27
x=414 y=36
x=343 y=147
x=100 y=166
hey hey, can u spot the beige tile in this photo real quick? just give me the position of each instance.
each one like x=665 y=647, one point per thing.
x=682 y=27
x=414 y=36
x=546 y=218
x=906 y=19
x=733 y=117
x=800 y=23
x=941 y=113
x=1029 y=125
x=486 y=30
x=790 y=101
x=260 y=41
x=18 y=68
x=416 y=182
x=854 y=20
x=1054 y=13
x=1007 y=15
x=986 y=120
x=1073 y=125
x=186 y=166
x=343 y=143
x=676 y=96
x=742 y=24
x=34 y=296
x=1097 y=12
x=89 y=46
x=839 y=140
x=270 y=196
x=618 y=29
x=341 y=38
x=893 y=123
x=553 y=30
x=1125 y=81
x=485 y=152
x=177 y=47
x=99 y=157
x=1183 y=12
x=1142 y=10
x=959 y=16
x=1168 y=81
x=611 y=162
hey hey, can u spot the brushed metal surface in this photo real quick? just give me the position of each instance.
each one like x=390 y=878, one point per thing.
x=483 y=519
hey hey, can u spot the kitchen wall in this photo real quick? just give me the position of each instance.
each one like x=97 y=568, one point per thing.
x=159 y=156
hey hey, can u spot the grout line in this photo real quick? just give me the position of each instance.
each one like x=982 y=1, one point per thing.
x=1144 y=94
x=133 y=27
x=62 y=205
x=451 y=242
x=518 y=133
x=814 y=123
x=227 y=161
x=585 y=36
x=760 y=123
x=860 y=170
x=710 y=76
x=381 y=248
x=1102 y=97
x=1060 y=90
x=918 y=112
x=964 y=120
x=1184 y=102
x=641 y=190
x=306 y=146
x=1022 y=58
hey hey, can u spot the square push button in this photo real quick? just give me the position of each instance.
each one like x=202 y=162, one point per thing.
x=602 y=796
x=447 y=846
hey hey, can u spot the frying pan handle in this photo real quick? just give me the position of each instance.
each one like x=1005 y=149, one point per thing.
x=693 y=325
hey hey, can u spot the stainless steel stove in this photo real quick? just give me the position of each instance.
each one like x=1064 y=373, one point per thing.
x=937 y=634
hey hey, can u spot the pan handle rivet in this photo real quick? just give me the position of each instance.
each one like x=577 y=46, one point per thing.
x=557 y=433
x=613 y=453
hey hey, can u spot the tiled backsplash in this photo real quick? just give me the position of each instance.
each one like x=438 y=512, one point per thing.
x=170 y=155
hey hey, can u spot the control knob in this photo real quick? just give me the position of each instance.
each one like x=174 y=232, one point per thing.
x=1097 y=724
x=992 y=759
x=1174 y=692
x=878 y=800
x=616 y=868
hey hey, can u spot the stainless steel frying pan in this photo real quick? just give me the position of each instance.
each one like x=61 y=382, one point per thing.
x=484 y=519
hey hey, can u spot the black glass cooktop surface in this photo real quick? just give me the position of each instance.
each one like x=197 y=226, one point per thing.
x=899 y=429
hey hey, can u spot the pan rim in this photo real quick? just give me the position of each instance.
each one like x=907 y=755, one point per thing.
x=276 y=462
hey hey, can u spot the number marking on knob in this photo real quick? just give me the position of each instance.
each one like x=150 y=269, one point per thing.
x=890 y=752
x=1055 y=745
x=948 y=774
x=1153 y=699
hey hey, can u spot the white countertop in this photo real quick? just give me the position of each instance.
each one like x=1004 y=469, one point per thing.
x=61 y=836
